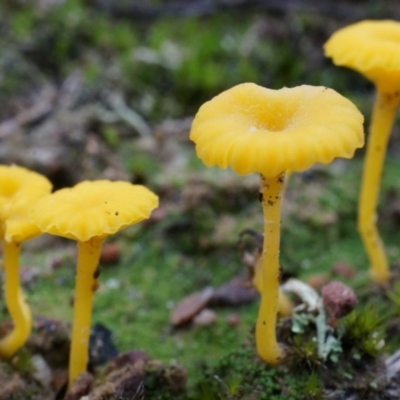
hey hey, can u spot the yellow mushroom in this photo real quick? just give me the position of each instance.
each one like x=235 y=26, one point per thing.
x=88 y=213
x=19 y=189
x=373 y=49
x=254 y=129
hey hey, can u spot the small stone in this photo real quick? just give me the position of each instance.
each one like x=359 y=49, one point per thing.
x=235 y=292
x=233 y=319
x=110 y=254
x=317 y=281
x=343 y=270
x=205 y=317
x=190 y=306
x=339 y=299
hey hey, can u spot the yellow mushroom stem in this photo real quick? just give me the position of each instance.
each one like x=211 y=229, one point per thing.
x=15 y=301
x=381 y=124
x=285 y=304
x=88 y=260
x=267 y=346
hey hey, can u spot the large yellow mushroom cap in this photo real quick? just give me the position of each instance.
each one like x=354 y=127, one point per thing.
x=254 y=129
x=19 y=189
x=93 y=209
x=371 y=48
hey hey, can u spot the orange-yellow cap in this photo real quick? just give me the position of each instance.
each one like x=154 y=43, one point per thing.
x=93 y=209
x=371 y=48
x=19 y=189
x=254 y=129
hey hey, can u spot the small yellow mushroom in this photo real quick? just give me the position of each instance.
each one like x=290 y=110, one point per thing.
x=254 y=129
x=19 y=189
x=88 y=213
x=373 y=49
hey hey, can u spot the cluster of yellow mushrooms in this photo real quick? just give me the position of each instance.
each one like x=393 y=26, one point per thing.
x=86 y=213
x=253 y=129
x=248 y=128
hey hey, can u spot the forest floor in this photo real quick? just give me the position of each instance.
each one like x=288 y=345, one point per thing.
x=87 y=94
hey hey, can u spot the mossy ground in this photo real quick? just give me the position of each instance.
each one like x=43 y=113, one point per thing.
x=195 y=241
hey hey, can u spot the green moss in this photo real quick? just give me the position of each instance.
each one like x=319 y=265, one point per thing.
x=313 y=388
x=241 y=373
x=363 y=332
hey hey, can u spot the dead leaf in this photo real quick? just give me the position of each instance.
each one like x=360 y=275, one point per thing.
x=190 y=306
x=235 y=292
